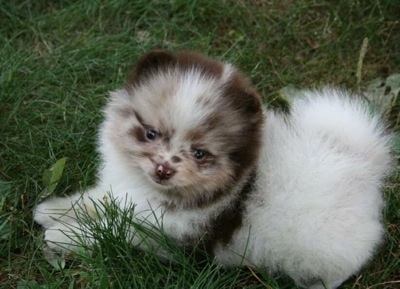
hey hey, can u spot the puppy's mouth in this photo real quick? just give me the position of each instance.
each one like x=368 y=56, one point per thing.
x=160 y=181
x=165 y=183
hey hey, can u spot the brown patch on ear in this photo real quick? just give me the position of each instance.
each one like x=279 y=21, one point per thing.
x=248 y=104
x=208 y=67
x=159 y=60
x=150 y=63
x=254 y=102
x=243 y=95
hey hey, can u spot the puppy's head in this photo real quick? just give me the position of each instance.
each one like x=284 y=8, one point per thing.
x=189 y=124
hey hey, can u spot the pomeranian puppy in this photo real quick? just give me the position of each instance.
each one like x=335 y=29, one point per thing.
x=189 y=143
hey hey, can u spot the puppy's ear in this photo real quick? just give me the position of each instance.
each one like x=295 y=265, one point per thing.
x=242 y=96
x=254 y=102
x=249 y=102
x=152 y=62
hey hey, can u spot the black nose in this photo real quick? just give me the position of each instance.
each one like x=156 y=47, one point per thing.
x=164 y=171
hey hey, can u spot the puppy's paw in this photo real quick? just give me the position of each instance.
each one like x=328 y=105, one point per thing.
x=53 y=211
x=67 y=238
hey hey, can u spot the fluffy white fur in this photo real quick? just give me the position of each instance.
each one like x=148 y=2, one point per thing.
x=314 y=212
x=317 y=207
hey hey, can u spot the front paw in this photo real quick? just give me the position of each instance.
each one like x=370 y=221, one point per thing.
x=66 y=237
x=52 y=211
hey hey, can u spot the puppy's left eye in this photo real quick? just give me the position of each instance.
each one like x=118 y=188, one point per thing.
x=199 y=154
x=151 y=134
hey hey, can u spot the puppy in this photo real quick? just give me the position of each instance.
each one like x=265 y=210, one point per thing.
x=189 y=143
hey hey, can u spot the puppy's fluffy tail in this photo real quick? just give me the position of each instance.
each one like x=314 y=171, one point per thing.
x=345 y=119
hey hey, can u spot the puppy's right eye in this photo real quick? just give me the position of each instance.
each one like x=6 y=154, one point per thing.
x=151 y=134
x=199 y=154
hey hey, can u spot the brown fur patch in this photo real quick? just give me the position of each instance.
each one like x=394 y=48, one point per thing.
x=194 y=135
x=138 y=133
x=224 y=225
x=158 y=61
x=138 y=117
x=246 y=101
x=148 y=155
x=208 y=160
x=166 y=136
x=221 y=229
x=176 y=159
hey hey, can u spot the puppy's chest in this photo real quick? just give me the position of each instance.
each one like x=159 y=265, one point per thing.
x=212 y=227
x=215 y=223
x=187 y=226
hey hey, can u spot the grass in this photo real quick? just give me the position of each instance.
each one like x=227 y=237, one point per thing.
x=58 y=59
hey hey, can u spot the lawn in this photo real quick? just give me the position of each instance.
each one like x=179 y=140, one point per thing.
x=58 y=60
